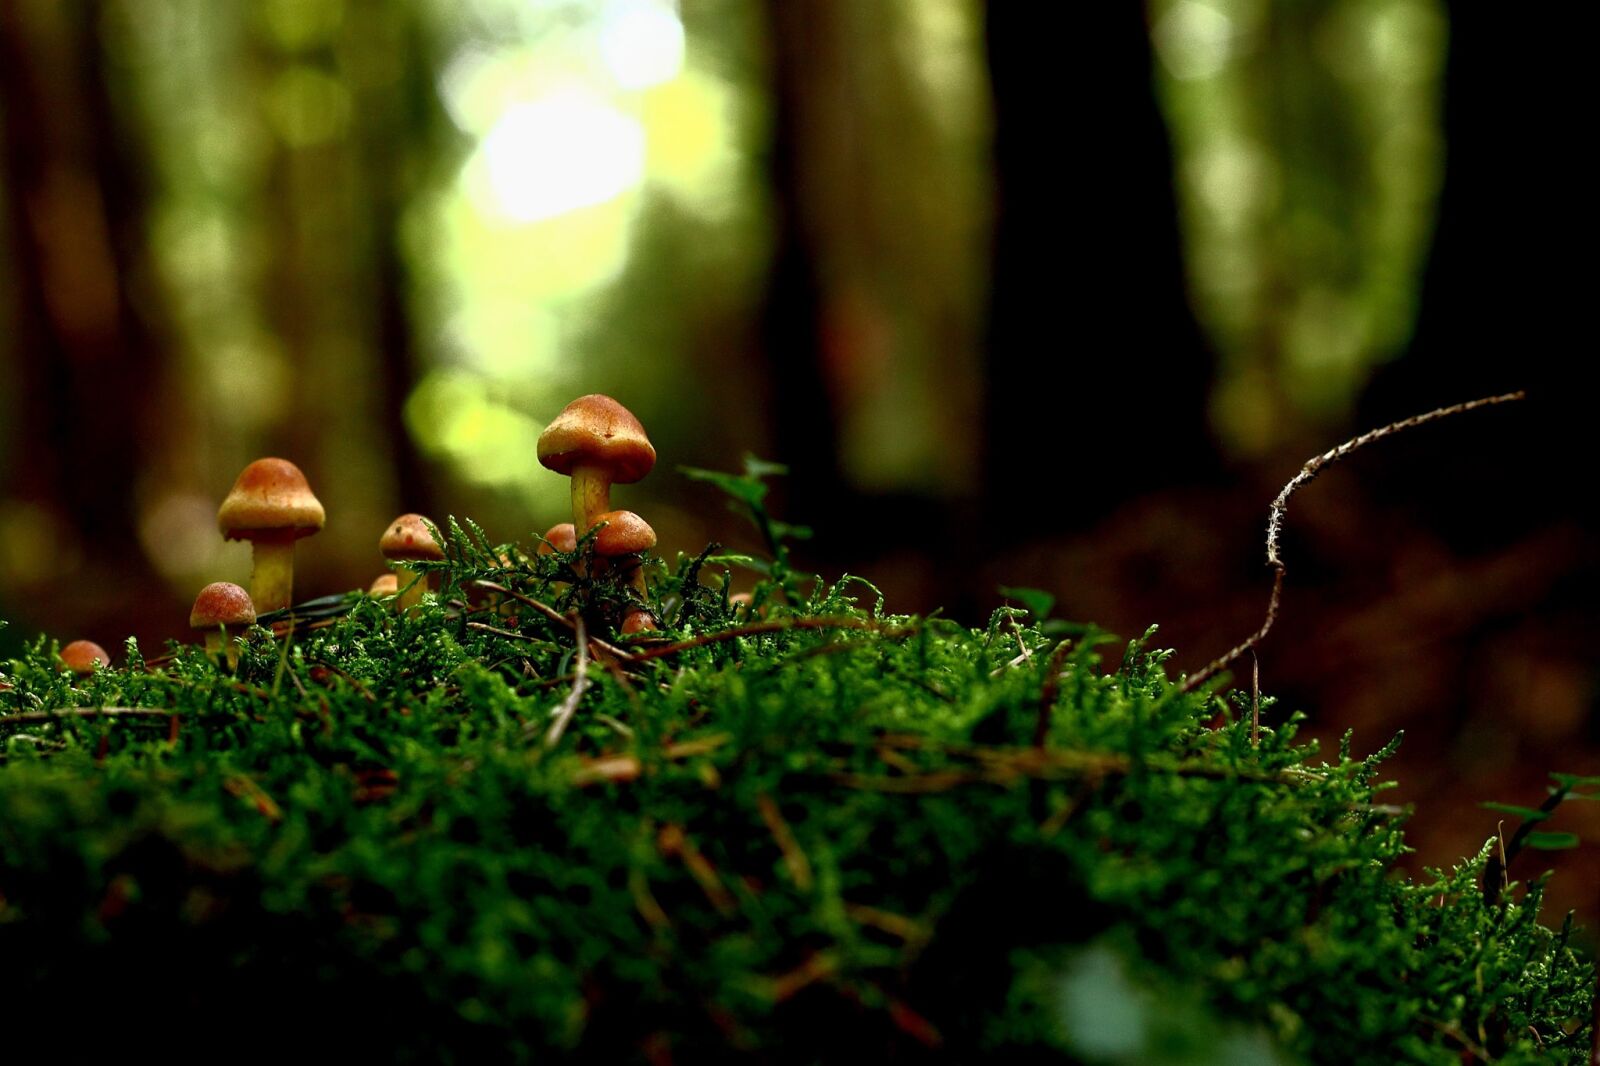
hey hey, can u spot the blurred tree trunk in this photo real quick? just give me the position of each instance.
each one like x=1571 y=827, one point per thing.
x=357 y=138
x=805 y=51
x=398 y=140
x=874 y=311
x=1098 y=374
x=88 y=364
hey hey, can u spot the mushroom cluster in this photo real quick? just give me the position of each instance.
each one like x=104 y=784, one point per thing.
x=598 y=443
x=595 y=441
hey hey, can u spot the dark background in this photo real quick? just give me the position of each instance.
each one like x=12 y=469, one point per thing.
x=1031 y=295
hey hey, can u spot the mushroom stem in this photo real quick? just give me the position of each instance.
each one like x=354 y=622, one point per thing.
x=272 y=579
x=410 y=585
x=591 y=495
x=636 y=619
x=220 y=646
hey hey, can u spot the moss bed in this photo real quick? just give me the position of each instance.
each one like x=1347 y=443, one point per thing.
x=801 y=830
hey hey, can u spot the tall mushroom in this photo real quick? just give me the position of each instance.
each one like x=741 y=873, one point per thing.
x=623 y=534
x=271 y=506
x=407 y=540
x=220 y=611
x=82 y=656
x=598 y=443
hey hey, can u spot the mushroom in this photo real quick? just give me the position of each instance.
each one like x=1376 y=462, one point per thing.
x=562 y=537
x=219 y=606
x=82 y=656
x=623 y=533
x=383 y=585
x=597 y=442
x=408 y=540
x=272 y=507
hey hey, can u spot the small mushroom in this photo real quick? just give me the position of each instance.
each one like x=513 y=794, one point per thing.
x=383 y=585
x=623 y=534
x=407 y=540
x=220 y=611
x=562 y=537
x=271 y=506
x=82 y=656
x=598 y=443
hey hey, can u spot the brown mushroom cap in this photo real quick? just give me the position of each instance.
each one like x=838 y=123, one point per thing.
x=222 y=604
x=384 y=585
x=596 y=430
x=81 y=656
x=269 y=498
x=560 y=538
x=623 y=534
x=407 y=540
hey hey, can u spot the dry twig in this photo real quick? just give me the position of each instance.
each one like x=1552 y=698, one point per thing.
x=544 y=609
x=794 y=857
x=562 y=713
x=85 y=712
x=1049 y=690
x=1280 y=507
x=776 y=626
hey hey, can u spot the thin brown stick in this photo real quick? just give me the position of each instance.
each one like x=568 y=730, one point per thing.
x=1005 y=767
x=29 y=717
x=544 y=609
x=1049 y=691
x=1472 y=1048
x=1280 y=508
x=775 y=626
x=624 y=767
x=506 y=634
x=817 y=967
x=675 y=843
x=563 y=712
x=1255 y=699
x=356 y=683
x=898 y=925
x=794 y=857
x=246 y=789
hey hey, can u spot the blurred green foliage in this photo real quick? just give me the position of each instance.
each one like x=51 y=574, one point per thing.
x=1308 y=159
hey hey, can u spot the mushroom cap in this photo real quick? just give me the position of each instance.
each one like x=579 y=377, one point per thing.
x=384 y=585
x=270 y=498
x=81 y=656
x=596 y=430
x=407 y=540
x=623 y=534
x=638 y=622
x=222 y=603
x=562 y=537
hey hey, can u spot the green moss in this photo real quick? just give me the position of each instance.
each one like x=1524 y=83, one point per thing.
x=833 y=830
